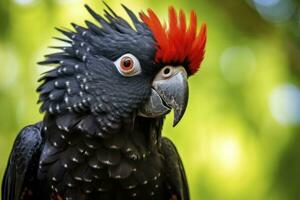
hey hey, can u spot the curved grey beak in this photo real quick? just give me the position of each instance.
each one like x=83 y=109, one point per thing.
x=169 y=91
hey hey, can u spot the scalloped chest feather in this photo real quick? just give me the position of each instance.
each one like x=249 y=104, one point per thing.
x=80 y=161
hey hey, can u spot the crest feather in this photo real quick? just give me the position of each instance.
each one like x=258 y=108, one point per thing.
x=177 y=43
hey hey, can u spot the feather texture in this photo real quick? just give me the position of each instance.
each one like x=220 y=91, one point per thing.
x=176 y=44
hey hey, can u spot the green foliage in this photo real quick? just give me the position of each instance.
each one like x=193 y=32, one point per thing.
x=235 y=139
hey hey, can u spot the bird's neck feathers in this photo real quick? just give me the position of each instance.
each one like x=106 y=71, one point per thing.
x=137 y=134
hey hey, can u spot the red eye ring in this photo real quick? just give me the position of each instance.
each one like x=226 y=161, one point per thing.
x=127 y=64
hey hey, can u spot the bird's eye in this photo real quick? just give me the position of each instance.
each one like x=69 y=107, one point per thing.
x=128 y=65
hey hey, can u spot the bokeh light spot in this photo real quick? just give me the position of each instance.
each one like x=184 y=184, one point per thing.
x=267 y=2
x=284 y=104
x=227 y=153
x=275 y=11
x=68 y=1
x=237 y=64
x=9 y=68
x=24 y=2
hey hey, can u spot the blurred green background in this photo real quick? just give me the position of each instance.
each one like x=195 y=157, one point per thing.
x=240 y=136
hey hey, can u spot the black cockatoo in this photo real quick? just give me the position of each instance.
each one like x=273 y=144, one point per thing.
x=104 y=103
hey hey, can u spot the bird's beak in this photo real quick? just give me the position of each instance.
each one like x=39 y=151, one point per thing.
x=169 y=91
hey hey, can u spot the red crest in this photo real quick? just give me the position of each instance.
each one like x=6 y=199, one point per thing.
x=177 y=43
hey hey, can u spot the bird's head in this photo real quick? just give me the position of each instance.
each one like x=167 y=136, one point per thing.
x=116 y=70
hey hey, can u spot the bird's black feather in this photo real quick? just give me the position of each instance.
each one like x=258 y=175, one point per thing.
x=176 y=181
x=20 y=174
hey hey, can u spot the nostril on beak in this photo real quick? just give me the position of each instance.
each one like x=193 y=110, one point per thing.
x=167 y=72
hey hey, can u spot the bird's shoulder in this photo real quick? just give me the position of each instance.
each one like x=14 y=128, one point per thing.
x=176 y=181
x=22 y=161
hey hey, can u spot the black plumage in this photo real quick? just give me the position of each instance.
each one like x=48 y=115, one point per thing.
x=92 y=144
